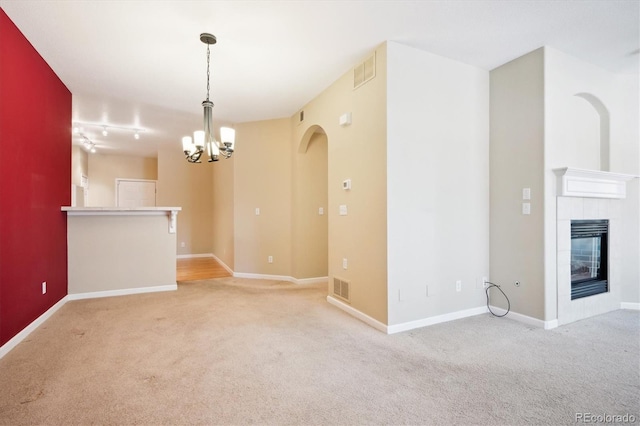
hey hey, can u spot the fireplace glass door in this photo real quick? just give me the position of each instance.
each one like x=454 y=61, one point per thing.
x=589 y=249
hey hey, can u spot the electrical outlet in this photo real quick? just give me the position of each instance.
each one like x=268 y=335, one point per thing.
x=44 y=287
x=485 y=282
x=182 y=244
x=400 y=298
x=426 y=291
x=458 y=286
x=270 y=259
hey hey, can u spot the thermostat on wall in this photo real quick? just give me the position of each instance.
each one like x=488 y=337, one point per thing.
x=346 y=184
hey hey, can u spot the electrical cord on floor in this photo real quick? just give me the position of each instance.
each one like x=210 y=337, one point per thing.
x=489 y=285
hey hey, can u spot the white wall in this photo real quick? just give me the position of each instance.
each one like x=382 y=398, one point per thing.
x=437 y=184
x=570 y=130
x=626 y=156
x=120 y=252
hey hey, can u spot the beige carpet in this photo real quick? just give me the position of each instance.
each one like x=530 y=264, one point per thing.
x=232 y=351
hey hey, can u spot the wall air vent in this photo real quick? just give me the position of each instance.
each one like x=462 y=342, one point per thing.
x=364 y=72
x=341 y=289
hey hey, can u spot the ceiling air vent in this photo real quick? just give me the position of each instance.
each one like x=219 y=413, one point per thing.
x=341 y=288
x=364 y=72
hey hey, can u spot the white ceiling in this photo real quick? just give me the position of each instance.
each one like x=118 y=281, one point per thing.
x=141 y=63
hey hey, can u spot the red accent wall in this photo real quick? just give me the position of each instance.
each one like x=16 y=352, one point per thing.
x=35 y=170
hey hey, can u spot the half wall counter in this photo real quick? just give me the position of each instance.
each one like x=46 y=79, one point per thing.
x=115 y=251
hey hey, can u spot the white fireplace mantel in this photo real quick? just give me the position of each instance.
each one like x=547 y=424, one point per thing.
x=591 y=183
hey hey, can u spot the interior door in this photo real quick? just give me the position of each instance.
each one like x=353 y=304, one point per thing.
x=136 y=193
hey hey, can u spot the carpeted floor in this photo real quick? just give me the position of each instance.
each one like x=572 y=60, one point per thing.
x=234 y=351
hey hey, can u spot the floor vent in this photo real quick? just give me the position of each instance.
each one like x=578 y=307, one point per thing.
x=341 y=288
x=364 y=72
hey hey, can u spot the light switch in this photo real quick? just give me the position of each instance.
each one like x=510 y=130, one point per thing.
x=526 y=208
x=344 y=263
x=343 y=209
x=321 y=211
x=257 y=211
x=526 y=193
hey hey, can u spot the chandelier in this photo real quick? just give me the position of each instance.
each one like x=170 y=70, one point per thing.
x=194 y=148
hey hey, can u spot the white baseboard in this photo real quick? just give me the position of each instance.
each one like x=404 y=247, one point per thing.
x=535 y=322
x=357 y=314
x=194 y=256
x=224 y=265
x=262 y=276
x=424 y=322
x=122 y=292
x=281 y=278
x=4 y=349
x=316 y=280
x=628 y=305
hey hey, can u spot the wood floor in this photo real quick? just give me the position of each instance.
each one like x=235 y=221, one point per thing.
x=200 y=268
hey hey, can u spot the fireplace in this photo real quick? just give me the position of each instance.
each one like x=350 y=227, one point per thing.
x=589 y=258
x=589 y=285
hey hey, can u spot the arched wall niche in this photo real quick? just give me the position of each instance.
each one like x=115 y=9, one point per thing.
x=306 y=138
x=603 y=113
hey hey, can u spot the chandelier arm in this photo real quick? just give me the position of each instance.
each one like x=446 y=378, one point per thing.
x=195 y=157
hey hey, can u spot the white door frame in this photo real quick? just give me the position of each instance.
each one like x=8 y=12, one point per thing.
x=118 y=180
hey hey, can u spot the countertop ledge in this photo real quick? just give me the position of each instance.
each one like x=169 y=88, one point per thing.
x=118 y=210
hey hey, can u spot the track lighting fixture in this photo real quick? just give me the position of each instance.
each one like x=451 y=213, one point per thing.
x=79 y=128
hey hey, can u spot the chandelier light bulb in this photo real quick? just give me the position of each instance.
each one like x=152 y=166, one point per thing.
x=187 y=145
x=227 y=135
x=198 y=138
x=136 y=136
x=104 y=131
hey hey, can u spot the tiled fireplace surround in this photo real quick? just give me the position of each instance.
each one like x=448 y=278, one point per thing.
x=576 y=208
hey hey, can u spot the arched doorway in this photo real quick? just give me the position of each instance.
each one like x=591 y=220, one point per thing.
x=310 y=201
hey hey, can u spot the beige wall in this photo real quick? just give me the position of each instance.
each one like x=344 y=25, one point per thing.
x=516 y=162
x=310 y=228
x=262 y=179
x=223 y=210
x=356 y=152
x=104 y=169
x=119 y=252
x=79 y=165
x=190 y=186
